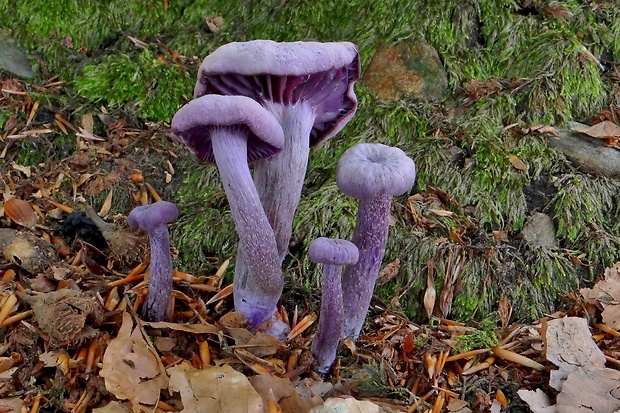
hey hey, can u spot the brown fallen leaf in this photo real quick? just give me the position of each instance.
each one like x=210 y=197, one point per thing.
x=517 y=163
x=282 y=390
x=131 y=368
x=21 y=212
x=214 y=390
x=604 y=129
x=606 y=295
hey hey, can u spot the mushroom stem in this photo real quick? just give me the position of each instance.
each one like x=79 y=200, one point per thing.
x=279 y=180
x=156 y=307
x=358 y=281
x=325 y=342
x=258 y=282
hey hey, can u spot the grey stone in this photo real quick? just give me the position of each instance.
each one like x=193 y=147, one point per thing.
x=539 y=231
x=406 y=68
x=585 y=152
x=13 y=59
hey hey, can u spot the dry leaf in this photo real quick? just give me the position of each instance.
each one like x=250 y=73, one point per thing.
x=441 y=212
x=21 y=212
x=537 y=400
x=11 y=404
x=389 y=272
x=214 y=390
x=430 y=294
x=188 y=328
x=569 y=346
x=604 y=129
x=350 y=405
x=282 y=390
x=131 y=368
x=517 y=163
x=606 y=294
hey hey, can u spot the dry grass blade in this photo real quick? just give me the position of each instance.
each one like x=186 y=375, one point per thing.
x=480 y=366
x=608 y=330
x=516 y=358
x=300 y=327
x=467 y=354
x=62 y=207
x=7 y=307
x=223 y=293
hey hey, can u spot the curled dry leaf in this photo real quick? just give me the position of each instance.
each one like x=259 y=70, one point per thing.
x=604 y=129
x=606 y=294
x=131 y=368
x=214 y=390
x=21 y=212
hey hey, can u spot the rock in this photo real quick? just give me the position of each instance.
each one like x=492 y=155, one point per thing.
x=13 y=59
x=587 y=153
x=539 y=231
x=407 y=68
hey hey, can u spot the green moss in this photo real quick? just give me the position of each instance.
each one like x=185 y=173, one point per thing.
x=484 y=337
x=142 y=84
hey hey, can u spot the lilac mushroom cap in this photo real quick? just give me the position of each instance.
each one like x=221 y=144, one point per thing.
x=333 y=254
x=371 y=173
x=150 y=217
x=308 y=86
x=232 y=130
x=333 y=251
x=322 y=74
x=153 y=219
x=370 y=169
x=195 y=122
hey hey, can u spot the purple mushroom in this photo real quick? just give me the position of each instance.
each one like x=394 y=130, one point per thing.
x=233 y=130
x=308 y=87
x=371 y=173
x=332 y=253
x=153 y=219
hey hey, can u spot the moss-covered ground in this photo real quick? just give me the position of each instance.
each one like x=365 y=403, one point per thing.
x=537 y=51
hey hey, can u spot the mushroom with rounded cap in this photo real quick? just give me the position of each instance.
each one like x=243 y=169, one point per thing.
x=308 y=86
x=333 y=254
x=153 y=219
x=371 y=173
x=233 y=130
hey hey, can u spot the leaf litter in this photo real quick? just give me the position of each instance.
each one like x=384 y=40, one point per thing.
x=72 y=343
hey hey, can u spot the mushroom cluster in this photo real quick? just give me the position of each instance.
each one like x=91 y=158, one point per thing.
x=268 y=103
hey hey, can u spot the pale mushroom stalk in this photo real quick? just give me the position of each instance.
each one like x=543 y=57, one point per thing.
x=370 y=237
x=160 y=287
x=284 y=173
x=333 y=254
x=257 y=301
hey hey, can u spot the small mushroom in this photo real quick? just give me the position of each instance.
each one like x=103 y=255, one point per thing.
x=153 y=219
x=308 y=87
x=371 y=173
x=333 y=254
x=233 y=130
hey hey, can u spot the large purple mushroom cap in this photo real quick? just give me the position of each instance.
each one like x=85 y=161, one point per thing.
x=369 y=169
x=194 y=123
x=150 y=217
x=322 y=74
